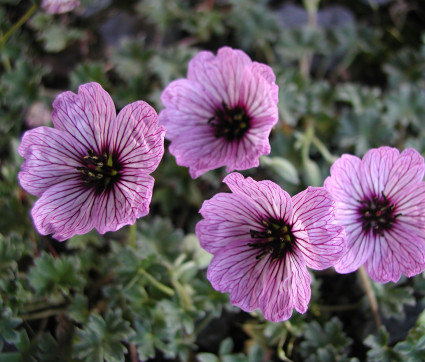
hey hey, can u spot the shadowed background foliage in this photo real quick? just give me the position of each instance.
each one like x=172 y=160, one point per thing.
x=351 y=76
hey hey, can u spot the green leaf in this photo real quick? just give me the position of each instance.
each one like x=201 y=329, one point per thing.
x=379 y=349
x=102 y=338
x=329 y=340
x=89 y=72
x=51 y=274
x=226 y=346
x=392 y=297
x=8 y=323
x=282 y=167
x=413 y=348
x=207 y=357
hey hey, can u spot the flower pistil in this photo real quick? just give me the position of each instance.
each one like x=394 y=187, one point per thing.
x=230 y=123
x=276 y=239
x=377 y=214
x=99 y=170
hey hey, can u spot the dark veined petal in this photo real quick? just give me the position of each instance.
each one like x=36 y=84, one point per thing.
x=86 y=116
x=59 y=6
x=126 y=202
x=286 y=287
x=397 y=252
x=51 y=157
x=137 y=137
x=408 y=169
x=321 y=241
x=375 y=169
x=228 y=218
x=236 y=270
x=268 y=196
x=221 y=75
x=222 y=114
x=65 y=209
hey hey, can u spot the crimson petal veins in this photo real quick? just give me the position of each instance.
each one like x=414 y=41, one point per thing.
x=380 y=200
x=92 y=169
x=263 y=241
x=222 y=113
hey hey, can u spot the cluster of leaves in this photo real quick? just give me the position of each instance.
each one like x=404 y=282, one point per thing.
x=141 y=293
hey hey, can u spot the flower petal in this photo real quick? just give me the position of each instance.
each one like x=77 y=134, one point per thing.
x=320 y=240
x=287 y=286
x=408 y=169
x=236 y=270
x=344 y=183
x=51 y=157
x=138 y=139
x=188 y=105
x=360 y=247
x=59 y=6
x=228 y=218
x=65 y=209
x=398 y=251
x=220 y=75
x=375 y=170
x=86 y=116
x=269 y=197
x=126 y=202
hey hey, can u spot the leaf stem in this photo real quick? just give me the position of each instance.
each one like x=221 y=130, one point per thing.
x=43 y=314
x=17 y=25
x=132 y=236
x=329 y=157
x=162 y=287
x=371 y=296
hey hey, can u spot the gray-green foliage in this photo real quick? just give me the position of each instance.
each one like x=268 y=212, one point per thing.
x=142 y=292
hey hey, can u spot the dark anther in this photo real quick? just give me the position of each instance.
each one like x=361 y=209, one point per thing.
x=275 y=238
x=377 y=214
x=99 y=170
x=230 y=123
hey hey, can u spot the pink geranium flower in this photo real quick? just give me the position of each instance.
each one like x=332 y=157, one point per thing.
x=263 y=241
x=380 y=200
x=222 y=114
x=59 y=6
x=91 y=170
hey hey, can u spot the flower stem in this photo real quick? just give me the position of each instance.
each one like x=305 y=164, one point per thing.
x=330 y=158
x=20 y=22
x=162 y=287
x=132 y=236
x=371 y=296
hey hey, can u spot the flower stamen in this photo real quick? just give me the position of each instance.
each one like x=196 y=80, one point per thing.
x=99 y=170
x=276 y=239
x=377 y=214
x=230 y=123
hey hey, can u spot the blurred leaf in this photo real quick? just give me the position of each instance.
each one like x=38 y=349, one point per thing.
x=55 y=35
x=282 y=167
x=392 y=298
x=328 y=341
x=51 y=274
x=413 y=348
x=379 y=349
x=101 y=338
x=89 y=72
x=8 y=323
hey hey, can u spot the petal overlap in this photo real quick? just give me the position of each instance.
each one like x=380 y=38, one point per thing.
x=263 y=241
x=91 y=170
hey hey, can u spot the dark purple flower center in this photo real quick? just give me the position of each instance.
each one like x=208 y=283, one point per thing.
x=230 y=123
x=276 y=239
x=100 y=171
x=377 y=214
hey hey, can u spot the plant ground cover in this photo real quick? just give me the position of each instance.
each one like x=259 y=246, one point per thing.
x=351 y=77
